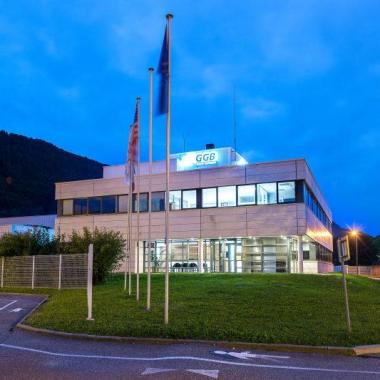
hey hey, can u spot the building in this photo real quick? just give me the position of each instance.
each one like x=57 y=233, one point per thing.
x=26 y=223
x=226 y=215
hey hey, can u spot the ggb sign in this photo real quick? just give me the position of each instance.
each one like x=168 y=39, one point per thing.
x=206 y=158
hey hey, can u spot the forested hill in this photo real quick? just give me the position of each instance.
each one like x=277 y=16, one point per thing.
x=29 y=169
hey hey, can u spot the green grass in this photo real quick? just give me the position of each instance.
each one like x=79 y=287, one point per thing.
x=267 y=308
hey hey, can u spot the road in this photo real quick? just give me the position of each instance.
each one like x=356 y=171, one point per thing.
x=25 y=355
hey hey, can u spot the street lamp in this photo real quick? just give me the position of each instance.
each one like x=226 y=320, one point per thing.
x=355 y=233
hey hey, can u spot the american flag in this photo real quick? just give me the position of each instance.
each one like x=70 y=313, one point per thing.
x=130 y=164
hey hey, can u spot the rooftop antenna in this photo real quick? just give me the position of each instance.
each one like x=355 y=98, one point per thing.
x=235 y=117
x=184 y=142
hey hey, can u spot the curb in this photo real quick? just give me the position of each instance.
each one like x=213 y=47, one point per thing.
x=347 y=351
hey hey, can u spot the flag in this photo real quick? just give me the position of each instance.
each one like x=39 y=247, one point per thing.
x=163 y=71
x=130 y=164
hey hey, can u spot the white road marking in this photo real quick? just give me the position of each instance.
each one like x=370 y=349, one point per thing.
x=10 y=303
x=195 y=358
x=247 y=355
x=17 y=310
x=205 y=372
x=151 y=371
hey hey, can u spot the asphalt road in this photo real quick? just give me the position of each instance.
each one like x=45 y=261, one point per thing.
x=25 y=355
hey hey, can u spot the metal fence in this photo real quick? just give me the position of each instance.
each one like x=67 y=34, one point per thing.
x=44 y=271
x=363 y=270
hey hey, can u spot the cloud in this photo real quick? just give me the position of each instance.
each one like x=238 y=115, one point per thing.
x=259 y=108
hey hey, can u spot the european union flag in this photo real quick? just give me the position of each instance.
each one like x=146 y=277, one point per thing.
x=163 y=71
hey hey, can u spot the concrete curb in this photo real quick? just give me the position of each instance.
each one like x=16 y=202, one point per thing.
x=348 y=351
x=367 y=350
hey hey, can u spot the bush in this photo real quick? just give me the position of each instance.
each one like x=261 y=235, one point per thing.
x=108 y=247
x=108 y=250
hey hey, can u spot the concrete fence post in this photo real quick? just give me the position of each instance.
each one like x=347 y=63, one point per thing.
x=2 y=271
x=60 y=273
x=89 y=280
x=33 y=270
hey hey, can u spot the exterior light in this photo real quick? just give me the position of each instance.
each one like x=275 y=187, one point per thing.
x=354 y=232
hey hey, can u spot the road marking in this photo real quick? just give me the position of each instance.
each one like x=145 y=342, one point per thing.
x=17 y=310
x=151 y=371
x=195 y=358
x=247 y=355
x=205 y=372
x=10 y=303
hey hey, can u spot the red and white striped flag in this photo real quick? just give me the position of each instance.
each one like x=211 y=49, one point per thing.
x=130 y=164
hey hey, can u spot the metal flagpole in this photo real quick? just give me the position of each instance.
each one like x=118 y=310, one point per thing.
x=130 y=202
x=167 y=200
x=138 y=203
x=150 y=181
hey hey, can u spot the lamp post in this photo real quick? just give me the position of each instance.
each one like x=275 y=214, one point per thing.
x=355 y=233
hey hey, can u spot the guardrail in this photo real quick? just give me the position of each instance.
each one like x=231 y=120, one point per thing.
x=44 y=271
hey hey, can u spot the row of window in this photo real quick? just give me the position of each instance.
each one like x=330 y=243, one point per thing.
x=224 y=196
x=313 y=204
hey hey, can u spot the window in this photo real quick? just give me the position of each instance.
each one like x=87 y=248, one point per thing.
x=109 y=204
x=123 y=203
x=266 y=193
x=80 y=206
x=143 y=202
x=158 y=201
x=189 y=199
x=246 y=195
x=286 y=192
x=175 y=200
x=209 y=197
x=95 y=205
x=226 y=196
x=67 y=208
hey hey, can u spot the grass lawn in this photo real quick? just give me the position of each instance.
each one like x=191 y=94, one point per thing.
x=267 y=308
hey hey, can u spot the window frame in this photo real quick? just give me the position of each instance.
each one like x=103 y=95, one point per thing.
x=216 y=194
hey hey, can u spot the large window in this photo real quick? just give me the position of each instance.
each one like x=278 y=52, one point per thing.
x=266 y=193
x=109 y=204
x=246 y=195
x=175 y=200
x=209 y=197
x=286 y=192
x=123 y=203
x=95 y=205
x=226 y=196
x=80 y=206
x=158 y=201
x=67 y=207
x=189 y=199
x=143 y=202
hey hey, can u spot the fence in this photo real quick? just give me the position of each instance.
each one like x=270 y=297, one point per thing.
x=363 y=270
x=44 y=271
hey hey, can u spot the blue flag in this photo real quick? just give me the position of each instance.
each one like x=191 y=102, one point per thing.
x=163 y=71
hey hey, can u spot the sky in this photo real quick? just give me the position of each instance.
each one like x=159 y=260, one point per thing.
x=307 y=77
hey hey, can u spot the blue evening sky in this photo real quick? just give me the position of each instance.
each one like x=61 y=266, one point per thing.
x=307 y=77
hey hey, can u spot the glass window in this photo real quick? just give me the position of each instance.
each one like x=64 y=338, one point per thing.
x=67 y=208
x=189 y=199
x=286 y=192
x=80 y=206
x=109 y=204
x=123 y=203
x=175 y=200
x=158 y=201
x=94 y=205
x=266 y=193
x=246 y=195
x=209 y=197
x=226 y=196
x=143 y=202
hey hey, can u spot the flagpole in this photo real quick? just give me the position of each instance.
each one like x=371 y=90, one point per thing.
x=150 y=181
x=138 y=203
x=167 y=200
x=130 y=203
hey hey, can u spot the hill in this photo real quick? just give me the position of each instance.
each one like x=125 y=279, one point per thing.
x=29 y=169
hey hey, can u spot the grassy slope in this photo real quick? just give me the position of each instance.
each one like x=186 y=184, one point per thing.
x=297 y=309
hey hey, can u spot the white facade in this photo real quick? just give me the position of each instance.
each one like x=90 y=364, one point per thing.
x=216 y=239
